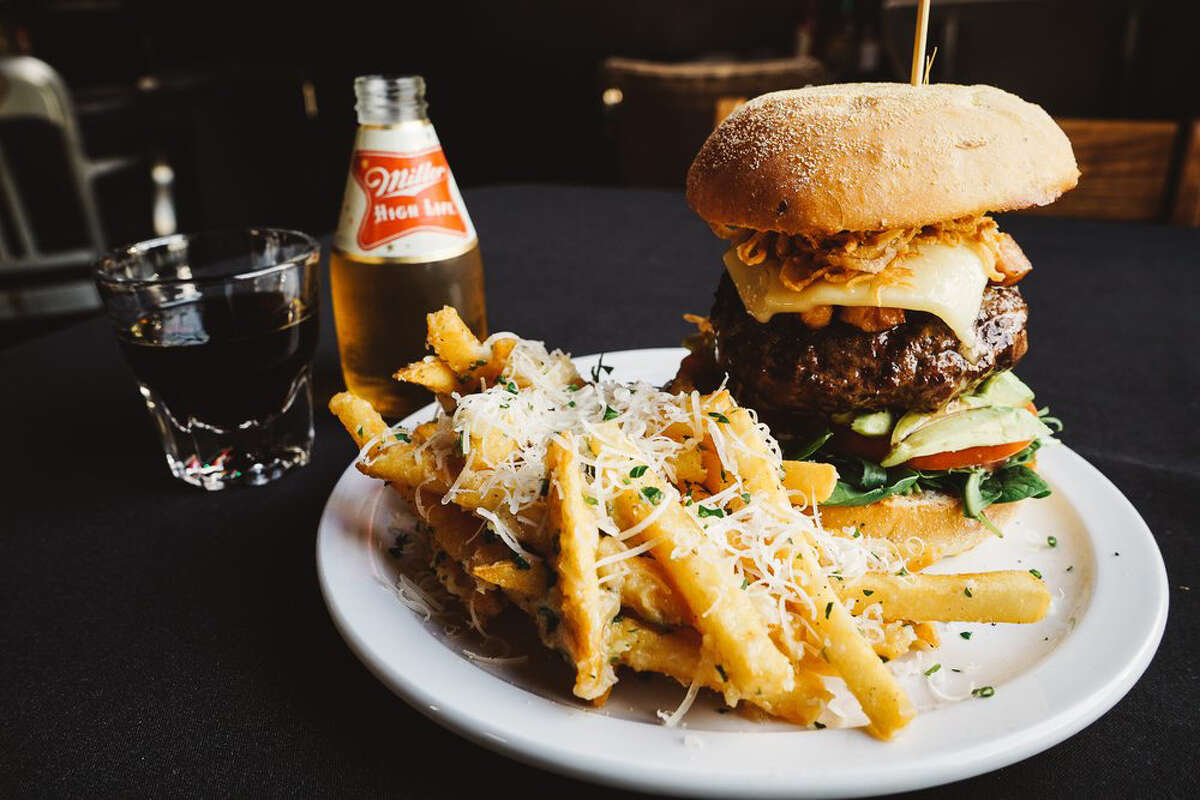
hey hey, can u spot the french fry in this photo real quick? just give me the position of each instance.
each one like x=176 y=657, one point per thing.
x=689 y=467
x=458 y=347
x=1003 y=596
x=357 y=416
x=644 y=586
x=481 y=605
x=531 y=582
x=489 y=449
x=459 y=533
x=454 y=342
x=813 y=481
x=453 y=546
x=405 y=464
x=678 y=655
x=872 y=684
x=927 y=636
x=586 y=608
x=732 y=628
x=432 y=373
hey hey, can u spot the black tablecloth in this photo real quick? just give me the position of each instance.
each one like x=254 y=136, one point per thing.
x=156 y=639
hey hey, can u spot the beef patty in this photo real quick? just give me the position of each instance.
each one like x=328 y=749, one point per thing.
x=784 y=367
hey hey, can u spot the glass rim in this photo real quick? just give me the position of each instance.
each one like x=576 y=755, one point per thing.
x=118 y=254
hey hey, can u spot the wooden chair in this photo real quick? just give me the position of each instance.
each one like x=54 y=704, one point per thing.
x=1132 y=170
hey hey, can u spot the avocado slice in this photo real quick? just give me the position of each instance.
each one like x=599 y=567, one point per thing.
x=975 y=427
x=877 y=423
x=916 y=419
x=1004 y=389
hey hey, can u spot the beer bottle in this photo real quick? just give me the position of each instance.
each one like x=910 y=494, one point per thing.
x=404 y=245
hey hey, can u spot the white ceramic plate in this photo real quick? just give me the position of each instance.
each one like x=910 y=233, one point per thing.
x=1051 y=679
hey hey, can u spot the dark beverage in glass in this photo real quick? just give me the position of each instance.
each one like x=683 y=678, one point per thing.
x=220 y=330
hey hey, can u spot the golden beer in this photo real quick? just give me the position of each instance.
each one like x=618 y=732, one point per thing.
x=380 y=310
x=405 y=245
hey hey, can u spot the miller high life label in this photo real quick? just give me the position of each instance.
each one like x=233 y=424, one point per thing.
x=401 y=200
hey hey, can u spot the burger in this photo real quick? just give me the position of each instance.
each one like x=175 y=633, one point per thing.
x=870 y=308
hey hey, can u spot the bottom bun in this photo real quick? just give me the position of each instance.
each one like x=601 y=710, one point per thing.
x=927 y=527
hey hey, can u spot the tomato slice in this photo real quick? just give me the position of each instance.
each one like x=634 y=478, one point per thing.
x=970 y=457
x=985 y=456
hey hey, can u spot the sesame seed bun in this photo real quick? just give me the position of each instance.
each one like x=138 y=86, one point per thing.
x=873 y=156
x=933 y=518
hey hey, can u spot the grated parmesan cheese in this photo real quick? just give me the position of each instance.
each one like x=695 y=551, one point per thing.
x=539 y=397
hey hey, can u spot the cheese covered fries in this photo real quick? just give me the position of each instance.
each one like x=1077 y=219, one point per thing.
x=657 y=532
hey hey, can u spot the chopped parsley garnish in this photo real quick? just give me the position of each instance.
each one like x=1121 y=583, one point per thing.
x=360 y=430
x=1035 y=574
x=828 y=608
x=745 y=583
x=719 y=417
x=610 y=413
x=819 y=726
x=638 y=471
x=403 y=437
x=965 y=634
x=600 y=366
x=1052 y=541
x=932 y=670
x=510 y=386
x=967 y=591
x=704 y=511
x=868 y=592
x=591 y=501
x=653 y=494
x=983 y=691
x=746 y=498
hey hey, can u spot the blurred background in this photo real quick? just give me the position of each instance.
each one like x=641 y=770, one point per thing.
x=123 y=119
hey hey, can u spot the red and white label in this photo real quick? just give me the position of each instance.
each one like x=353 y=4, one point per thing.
x=401 y=200
x=405 y=194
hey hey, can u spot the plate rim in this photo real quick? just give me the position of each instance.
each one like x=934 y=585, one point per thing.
x=686 y=774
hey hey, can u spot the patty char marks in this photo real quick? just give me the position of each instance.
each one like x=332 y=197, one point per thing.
x=785 y=366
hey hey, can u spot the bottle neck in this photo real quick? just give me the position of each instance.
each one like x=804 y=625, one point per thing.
x=390 y=99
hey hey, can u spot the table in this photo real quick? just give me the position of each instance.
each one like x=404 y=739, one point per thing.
x=156 y=639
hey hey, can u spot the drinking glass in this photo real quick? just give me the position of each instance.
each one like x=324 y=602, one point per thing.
x=220 y=329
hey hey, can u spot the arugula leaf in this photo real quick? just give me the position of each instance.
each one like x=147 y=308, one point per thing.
x=847 y=494
x=1053 y=423
x=1018 y=482
x=860 y=472
x=873 y=475
x=806 y=450
x=1026 y=455
x=978 y=493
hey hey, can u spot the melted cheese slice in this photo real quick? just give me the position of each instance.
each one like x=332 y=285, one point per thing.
x=946 y=281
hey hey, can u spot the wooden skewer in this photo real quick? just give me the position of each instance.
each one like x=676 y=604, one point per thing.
x=918 y=57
